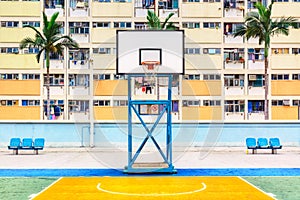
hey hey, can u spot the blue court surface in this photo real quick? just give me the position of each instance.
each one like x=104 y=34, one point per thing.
x=180 y=172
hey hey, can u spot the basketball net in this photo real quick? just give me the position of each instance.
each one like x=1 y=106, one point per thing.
x=150 y=68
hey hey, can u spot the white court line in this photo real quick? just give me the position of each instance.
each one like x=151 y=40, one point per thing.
x=151 y=194
x=32 y=196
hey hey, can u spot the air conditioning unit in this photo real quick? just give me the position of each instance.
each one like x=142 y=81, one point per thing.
x=252 y=77
x=286 y=102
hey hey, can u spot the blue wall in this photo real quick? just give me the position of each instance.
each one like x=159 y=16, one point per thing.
x=115 y=135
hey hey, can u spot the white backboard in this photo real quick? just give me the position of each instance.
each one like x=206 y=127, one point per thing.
x=136 y=46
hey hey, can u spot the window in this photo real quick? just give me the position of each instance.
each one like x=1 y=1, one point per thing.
x=211 y=103
x=211 y=1
x=30 y=102
x=255 y=106
x=190 y=24
x=280 y=51
x=192 y=50
x=34 y=23
x=277 y=102
x=296 y=76
x=79 y=80
x=235 y=106
x=211 y=25
x=120 y=77
x=120 y=103
x=230 y=28
x=101 y=103
x=101 y=76
x=140 y=26
x=56 y=56
x=234 y=80
x=191 y=0
x=10 y=50
x=81 y=54
x=30 y=77
x=31 y=51
x=211 y=77
x=9 y=24
x=78 y=106
x=279 y=77
x=101 y=24
x=296 y=102
x=256 y=80
x=54 y=4
x=55 y=79
x=192 y=77
x=233 y=54
x=122 y=24
x=79 y=27
x=191 y=103
x=9 y=102
x=295 y=50
x=211 y=51
x=9 y=76
x=256 y=54
x=102 y=50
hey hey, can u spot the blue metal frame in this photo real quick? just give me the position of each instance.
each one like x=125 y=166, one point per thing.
x=167 y=156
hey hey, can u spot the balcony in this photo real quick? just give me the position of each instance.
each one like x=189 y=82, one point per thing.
x=164 y=12
x=18 y=61
x=256 y=91
x=81 y=38
x=205 y=10
x=203 y=61
x=79 y=90
x=234 y=12
x=79 y=64
x=234 y=64
x=81 y=9
x=259 y=116
x=229 y=39
x=79 y=116
x=113 y=9
x=20 y=9
x=53 y=6
x=20 y=87
x=54 y=90
x=234 y=90
x=55 y=64
x=256 y=64
x=231 y=116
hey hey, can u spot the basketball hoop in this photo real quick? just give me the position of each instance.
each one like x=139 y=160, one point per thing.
x=150 y=67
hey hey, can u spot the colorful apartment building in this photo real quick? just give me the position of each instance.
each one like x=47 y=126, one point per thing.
x=224 y=76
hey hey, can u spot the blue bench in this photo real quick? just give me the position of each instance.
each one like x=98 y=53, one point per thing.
x=263 y=143
x=26 y=144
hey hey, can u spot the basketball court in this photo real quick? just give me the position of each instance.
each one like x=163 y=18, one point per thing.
x=160 y=187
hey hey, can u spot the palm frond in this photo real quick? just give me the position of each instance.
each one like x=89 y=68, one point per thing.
x=166 y=21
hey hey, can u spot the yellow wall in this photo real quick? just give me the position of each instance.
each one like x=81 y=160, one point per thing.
x=20 y=112
x=103 y=35
x=284 y=112
x=202 y=113
x=20 y=8
x=286 y=9
x=201 y=88
x=110 y=113
x=19 y=61
x=15 y=34
x=197 y=9
x=112 y=9
x=110 y=88
x=285 y=61
x=205 y=35
x=104 y=61
x=203 y=61
x=285 y=88
x=20 y=87
x=292 y=38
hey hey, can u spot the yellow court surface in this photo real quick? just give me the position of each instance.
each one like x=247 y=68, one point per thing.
x=160 y=187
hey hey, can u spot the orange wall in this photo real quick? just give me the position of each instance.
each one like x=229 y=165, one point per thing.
x=20 y=112
x=284 y=112
x=285 y=88
x=110 y=113
x=110 y=88
x=202 y=113
x=201 y=88
x=20 y=87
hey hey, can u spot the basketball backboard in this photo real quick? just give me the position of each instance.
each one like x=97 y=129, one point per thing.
x=165 y=47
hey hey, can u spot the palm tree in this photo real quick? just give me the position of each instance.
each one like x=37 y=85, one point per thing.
x=49 y=40
x=260 y=25
x=155 y=24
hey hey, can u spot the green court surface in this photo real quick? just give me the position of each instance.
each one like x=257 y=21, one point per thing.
x=17 y=188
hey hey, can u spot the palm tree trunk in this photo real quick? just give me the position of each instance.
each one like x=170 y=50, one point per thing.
x=266 y=89
x=48 y=84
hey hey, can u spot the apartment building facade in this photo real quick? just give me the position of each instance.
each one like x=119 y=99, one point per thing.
x=224 y=76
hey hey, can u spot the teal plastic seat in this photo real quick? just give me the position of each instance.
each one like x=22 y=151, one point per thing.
x=262 y=143
x=39 y=143
x=275 y=143
x=14 y=143
x=251 y=143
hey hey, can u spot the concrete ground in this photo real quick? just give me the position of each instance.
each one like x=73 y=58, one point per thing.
x=97 y=158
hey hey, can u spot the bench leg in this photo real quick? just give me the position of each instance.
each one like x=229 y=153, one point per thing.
x=274 y=151
x=36 y=152
x=15 y=151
